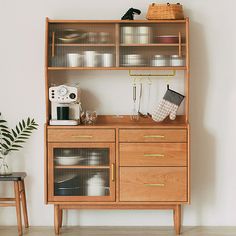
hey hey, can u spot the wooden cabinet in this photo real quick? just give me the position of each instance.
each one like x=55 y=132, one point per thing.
x=158 y=184
x=120 y=163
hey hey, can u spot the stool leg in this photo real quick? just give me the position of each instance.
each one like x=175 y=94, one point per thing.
x=24 y=205
x=56 y=219
x=18 y=207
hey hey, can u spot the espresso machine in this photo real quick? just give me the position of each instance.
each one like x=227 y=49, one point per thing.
x=65 y=105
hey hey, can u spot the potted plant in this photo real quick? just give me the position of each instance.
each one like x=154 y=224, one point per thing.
x=12 y=139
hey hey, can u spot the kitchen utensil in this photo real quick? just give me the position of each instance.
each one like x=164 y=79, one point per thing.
x=91 y=117
x=72 y=35
x=168 y=39
x=68 y=160
x=94 y=158
x=127 y=33
x=92 y=37
x=176 y=60
x=106 y=60
x=104 y=37
x=96 y=185
x=67 y=191
x=74 y=59
x=132 y=60
x=140 y=97
x=160 y=60
x=142 y=34
x=90 y=58
x=134 y=114
x=62 y=177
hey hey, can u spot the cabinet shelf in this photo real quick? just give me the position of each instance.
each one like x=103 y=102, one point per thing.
x=82 y=167
x=84 y=45
x=118 y=68
x=153 y=45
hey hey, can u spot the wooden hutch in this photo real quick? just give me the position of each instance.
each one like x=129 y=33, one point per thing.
x=146 y=165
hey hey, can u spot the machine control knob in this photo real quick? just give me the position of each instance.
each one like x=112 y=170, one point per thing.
x=72 y=95
x=62 y=91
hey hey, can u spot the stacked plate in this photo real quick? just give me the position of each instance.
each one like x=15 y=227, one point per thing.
x=72 y=36
x=68 y=160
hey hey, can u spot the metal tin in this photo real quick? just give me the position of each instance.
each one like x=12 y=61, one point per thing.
x=176 y=60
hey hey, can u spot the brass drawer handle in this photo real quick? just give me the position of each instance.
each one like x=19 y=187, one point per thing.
x=82 y=136
x=155 y=185
x=154 y=136
x=154 y=155
x=113 y=172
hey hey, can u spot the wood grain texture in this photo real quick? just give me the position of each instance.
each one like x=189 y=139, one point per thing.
x=18 y=206
x=153 y=135
x=24 y=203
x=177 y=219
x=85 y=135
x=153 y=154
x=153 y=184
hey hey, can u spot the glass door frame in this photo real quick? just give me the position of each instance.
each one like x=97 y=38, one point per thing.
x=112 y=174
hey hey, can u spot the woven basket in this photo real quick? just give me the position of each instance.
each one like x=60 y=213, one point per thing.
x=165 y=11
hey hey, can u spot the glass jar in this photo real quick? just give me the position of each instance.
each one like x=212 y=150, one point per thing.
x=5 y=168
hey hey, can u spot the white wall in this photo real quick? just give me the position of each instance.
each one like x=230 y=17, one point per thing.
x=213 y=101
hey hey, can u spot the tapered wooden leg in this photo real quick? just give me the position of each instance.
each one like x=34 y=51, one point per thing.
x=60 y=217
x=24 y=205
x=177 y=219
x=18 y=207
x=56 y=219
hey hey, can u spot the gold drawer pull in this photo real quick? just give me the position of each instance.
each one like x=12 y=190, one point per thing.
x=155 y=185
x=154 y=136
x=154 y=155
x=82 y=136
x=113 y=172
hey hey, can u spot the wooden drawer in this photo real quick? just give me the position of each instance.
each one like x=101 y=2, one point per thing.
x=153 y=154
x=153 y=135
x=81 y=135
x=153 y=184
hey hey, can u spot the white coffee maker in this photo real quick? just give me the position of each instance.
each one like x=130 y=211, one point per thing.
x=65 y=105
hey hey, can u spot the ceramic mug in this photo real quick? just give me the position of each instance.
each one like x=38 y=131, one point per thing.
x=90 y=58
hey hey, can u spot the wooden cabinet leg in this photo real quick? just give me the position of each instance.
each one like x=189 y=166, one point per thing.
x=60 y=217
x=177 y=219
x=18 y=207
x=24 y=205
x=56 y=219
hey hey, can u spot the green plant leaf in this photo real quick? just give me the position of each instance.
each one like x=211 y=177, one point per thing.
x=5 y=130
x=19 y=141
x=9 y=136
x=13 y=149
x=28 y=121
x=4 y=146
x=3 y=127
x=17 y=146
x=17 y=129
x=3 y=121
x=23 y=123
x=21 y=127
x=14 y=133
x=7 y=141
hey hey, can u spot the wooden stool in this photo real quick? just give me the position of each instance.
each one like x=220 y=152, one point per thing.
x=19 y=189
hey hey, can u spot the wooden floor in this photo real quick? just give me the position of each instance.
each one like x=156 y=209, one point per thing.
x=121 y=231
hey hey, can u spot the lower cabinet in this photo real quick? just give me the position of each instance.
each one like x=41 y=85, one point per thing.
x=81 y=172
x=143 y=165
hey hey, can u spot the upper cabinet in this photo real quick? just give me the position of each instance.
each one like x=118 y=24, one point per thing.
x=117 y=45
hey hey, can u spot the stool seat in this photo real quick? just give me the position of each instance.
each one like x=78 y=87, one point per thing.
x=15 y=176
x=18 y=200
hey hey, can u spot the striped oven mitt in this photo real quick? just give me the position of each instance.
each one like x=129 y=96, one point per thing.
x=168 y=106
